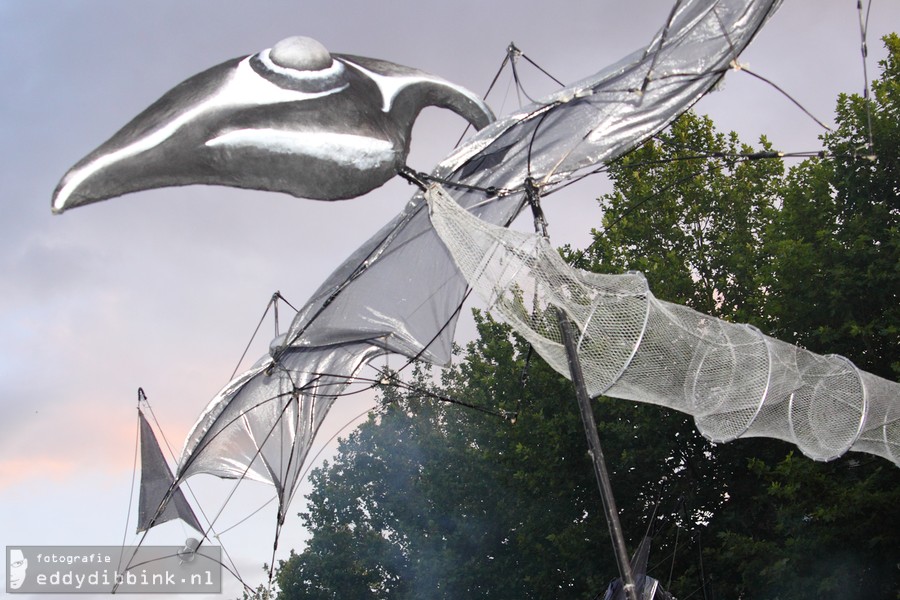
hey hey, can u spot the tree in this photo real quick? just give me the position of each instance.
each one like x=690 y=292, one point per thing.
x=691 y=209
x=838 y=234
x=830 y=529
x=434 y=499
x=814 y=262
x=438 y=500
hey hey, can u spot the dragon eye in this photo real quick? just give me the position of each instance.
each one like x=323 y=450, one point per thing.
x=300 y=53
x=301 y=64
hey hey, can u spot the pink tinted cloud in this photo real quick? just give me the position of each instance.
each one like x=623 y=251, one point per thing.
x=14 y=471
x=59 y=445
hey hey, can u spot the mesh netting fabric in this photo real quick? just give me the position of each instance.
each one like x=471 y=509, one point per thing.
x=734 y=381
x=400 y=291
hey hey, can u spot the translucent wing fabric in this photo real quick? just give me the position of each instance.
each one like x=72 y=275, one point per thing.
x=401 y=288
x=262 y=424
x=734 y=381
x=401 y=291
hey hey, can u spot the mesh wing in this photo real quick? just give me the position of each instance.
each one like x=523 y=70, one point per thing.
x=401 y=290
x=734 y=381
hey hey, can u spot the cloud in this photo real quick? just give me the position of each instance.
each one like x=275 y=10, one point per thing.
x=62 y=442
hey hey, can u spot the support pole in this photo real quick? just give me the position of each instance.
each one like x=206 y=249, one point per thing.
x=532 y=192
x=596 y=452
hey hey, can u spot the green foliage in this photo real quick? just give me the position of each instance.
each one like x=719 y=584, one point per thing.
x=430 y=499
x=690 y=215
x=831 y=531
x=839 y=233
x=811 y=257
x=435 y=500
x=260 y=593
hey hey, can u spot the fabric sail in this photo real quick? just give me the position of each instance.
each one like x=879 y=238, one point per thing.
x=158 y=501
x=401 y=292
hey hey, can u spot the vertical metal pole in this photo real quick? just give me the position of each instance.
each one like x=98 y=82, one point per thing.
x=587 y=417
x=596 y=452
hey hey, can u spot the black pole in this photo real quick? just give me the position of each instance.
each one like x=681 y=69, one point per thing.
x=596 y=452
x=587 y=417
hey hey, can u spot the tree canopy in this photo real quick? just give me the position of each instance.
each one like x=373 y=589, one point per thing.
x=496 y=498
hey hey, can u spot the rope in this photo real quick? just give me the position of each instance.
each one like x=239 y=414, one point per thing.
x=419 y=179
x=248 y=517
x=864 y=49
x=647 y=199
x=143 y=396
x=674 y=555
x=784 y=93
x=133 y=478
x=272 y=301
x=541 y=69
x=737 y=156
x=662 y=41
x=152 y=560
x=448 y=399
x=700 y=554
x=302 y=476
x=514 y=54
x=486 y=94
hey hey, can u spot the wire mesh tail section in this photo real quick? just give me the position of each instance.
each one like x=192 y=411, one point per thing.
x=734 y=381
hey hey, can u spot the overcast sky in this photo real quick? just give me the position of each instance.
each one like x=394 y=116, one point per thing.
x=163 y=289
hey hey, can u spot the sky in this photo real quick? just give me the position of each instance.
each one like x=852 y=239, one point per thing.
x=163 y=289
